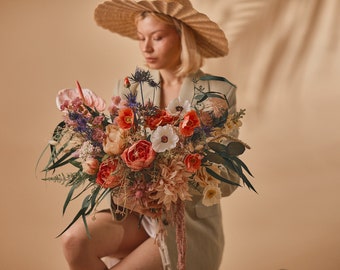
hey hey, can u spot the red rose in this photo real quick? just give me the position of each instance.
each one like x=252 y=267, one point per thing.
x=189 y=123
x=192 y=162
x=108 y=175
x=139 y=155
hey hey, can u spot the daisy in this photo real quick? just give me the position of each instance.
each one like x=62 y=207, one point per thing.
x=164 y=138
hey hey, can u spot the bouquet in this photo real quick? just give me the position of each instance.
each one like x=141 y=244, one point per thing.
x=147 y=158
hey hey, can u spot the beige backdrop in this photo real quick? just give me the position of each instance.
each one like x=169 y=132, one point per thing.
x=285 y=58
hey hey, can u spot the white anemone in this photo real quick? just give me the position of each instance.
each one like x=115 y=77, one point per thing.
x=164 y=138
x=177 y=107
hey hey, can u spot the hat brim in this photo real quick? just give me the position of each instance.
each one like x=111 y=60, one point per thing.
x=118 y=16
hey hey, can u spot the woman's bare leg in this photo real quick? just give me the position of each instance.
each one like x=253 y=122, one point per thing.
x=108 y=238
x=145 y=257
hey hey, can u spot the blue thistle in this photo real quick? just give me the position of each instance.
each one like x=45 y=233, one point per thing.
x=132 y=100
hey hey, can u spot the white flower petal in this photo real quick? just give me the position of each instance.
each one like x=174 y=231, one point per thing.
x=211 y=195
x=164 y=138
x=174 y=105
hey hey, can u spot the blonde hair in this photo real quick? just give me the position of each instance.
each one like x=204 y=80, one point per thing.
x=191 y=58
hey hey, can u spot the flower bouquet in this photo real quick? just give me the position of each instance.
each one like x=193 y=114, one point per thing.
x=149 y=159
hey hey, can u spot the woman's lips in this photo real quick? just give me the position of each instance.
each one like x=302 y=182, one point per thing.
x=151 y=59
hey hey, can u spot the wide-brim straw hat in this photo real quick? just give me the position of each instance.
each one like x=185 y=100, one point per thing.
x=118 y=16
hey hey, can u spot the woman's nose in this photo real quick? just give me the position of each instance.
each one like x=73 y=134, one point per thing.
x=147 y=46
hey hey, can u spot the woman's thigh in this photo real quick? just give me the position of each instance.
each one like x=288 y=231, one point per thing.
x=107 y=237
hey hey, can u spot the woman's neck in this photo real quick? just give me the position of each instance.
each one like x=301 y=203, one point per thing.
x=171 y=86
x=169 y=78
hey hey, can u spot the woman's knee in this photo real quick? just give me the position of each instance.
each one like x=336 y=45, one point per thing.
x=74 y=242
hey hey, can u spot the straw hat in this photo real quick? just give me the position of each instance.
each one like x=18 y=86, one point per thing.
x=118 y=16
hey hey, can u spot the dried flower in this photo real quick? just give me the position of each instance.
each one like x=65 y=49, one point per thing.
x=211 y=195
x=114 y=140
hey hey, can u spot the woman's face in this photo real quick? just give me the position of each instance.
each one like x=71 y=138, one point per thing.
x=160 y=44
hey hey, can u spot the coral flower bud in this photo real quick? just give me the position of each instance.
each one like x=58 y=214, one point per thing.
x=127 y=82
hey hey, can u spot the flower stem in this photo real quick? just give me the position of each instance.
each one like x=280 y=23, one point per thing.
x=141 y=92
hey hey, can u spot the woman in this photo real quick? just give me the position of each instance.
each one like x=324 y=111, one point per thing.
x=173 y=38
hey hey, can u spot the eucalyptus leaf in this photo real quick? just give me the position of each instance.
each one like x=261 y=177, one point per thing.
x=60 y=161
x=247 y=182
x=231 y=149
x=229 y=164
x=235 y=148
x=76 y=164
x=80 y=213
x=218 y=147
x=219 y=177
x=40 y=157
x=103 y=194
x=242 y=164
x=93 y=199
x=239 y=171
x=68 y=198
x=86 y=226
x=60 y=164
x=89 y=185
x=215 y=158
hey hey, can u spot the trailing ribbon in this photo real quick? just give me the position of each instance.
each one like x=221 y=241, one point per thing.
x=180 y=233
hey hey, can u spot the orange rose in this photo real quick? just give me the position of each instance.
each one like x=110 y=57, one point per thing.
x=125 y=118
x=114 y=140
x=189 y=123
x=139 y=155
x=109 y=175
x=192 y=162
